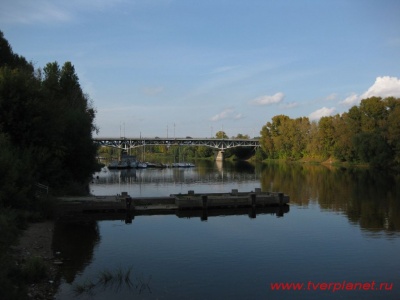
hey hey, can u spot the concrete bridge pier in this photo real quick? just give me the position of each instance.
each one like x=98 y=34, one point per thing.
x=220 y=156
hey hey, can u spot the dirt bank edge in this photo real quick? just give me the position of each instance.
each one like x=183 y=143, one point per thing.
x=36 y=241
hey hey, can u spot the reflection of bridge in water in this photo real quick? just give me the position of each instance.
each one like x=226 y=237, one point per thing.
x=219 y=144
x=167 y=176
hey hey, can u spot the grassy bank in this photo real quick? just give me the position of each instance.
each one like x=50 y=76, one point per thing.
x=332 y=162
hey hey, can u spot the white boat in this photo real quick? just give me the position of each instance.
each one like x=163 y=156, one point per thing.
x=182 y=165
x=126 y=162
x=129 y=160
x=141 y=165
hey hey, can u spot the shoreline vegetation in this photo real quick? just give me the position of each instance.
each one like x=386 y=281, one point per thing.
x=46 y=150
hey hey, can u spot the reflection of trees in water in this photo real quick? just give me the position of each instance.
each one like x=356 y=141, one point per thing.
x=75 y=241
x=367 y=197
x=205 y=172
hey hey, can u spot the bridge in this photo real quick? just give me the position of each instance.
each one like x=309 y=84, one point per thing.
x=219 y=144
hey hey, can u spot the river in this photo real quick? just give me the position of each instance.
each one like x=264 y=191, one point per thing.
x=338 y=239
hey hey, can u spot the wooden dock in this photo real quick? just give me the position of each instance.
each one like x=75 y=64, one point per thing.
x=124 y=207
x=189 y=201
x=234 y=199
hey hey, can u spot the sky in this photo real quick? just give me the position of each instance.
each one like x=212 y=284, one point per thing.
x=181 y=68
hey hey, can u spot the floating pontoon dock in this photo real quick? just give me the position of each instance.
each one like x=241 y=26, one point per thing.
x=182 y=205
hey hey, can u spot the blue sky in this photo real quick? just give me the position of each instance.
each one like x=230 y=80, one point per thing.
x=192 y=68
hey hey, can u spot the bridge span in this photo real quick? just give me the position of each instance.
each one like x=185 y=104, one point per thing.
x=219 y=144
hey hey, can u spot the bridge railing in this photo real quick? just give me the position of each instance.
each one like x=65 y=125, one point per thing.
x=219 y=144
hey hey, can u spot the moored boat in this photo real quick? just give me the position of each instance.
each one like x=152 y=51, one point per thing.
x=182 y=165
x=126 y=162
x=141 y=165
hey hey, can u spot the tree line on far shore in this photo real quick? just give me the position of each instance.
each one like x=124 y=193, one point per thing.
x=46 y=126
x=368 y=133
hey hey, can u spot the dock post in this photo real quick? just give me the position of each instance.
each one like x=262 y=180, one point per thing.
x=279 y=213
x=128 y=217
x=128 y=202
x=204 y=215
x=252 y=213
x=280 y=195
x=204 y=199
x=253 y=199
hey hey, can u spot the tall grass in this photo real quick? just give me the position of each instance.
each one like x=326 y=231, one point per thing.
x=34 y=269
x=114 y=280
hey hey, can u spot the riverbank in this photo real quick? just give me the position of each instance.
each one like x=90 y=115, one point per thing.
x=35 y=245
x=319 y=161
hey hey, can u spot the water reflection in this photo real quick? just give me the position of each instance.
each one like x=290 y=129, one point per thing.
x=74 y=242
x=205 y=172
x=368 y=198
x=203 y=214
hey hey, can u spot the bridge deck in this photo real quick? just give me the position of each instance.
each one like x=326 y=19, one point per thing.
x=220 y=144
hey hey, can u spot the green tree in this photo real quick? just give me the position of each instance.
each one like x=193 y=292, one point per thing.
x=313 y=148
x=344 y=132
x=242 y=136
x=326 y=135
x=393 y=126
x=204 y=151
x=266 y=141
x=373 y=113
x=285 y=137
x=10 y=59
x=281 y=139
x=373 y=149
x=300 y=129
x=47 y=119
x=221 y=135
x=16 y=178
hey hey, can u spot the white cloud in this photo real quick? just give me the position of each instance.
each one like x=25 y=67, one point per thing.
x=351 y=100
x=384 y=87
x=228 y=113
x=267 y=100
x=322 y=112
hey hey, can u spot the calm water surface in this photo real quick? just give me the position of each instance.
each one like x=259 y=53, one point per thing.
x=342 y=227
